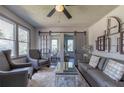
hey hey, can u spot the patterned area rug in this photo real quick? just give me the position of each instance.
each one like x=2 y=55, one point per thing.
x=46 y=78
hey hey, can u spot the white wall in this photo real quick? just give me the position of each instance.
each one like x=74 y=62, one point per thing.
x=12 y=16
x=98 y=29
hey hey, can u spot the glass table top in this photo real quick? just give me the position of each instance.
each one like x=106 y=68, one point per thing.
x=67 y=75
x=66 y=68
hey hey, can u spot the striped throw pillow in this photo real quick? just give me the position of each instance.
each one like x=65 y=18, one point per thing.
x=94 y=60
x=114 y=70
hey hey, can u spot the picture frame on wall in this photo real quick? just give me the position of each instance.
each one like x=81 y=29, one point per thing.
x=114 y=43
x=122 y=43
x=110 y=41
x=107 y=44
x=101 y=43
x=113 y=25
x=118 y=44
x=96 y=44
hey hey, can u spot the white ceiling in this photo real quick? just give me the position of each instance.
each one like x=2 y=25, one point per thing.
x=82 y=15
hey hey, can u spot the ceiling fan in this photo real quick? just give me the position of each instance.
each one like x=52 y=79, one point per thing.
x=59 y=8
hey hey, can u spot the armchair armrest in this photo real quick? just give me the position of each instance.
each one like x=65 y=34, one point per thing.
x=21 y=65
x=18 y=71
x=16 y=78
x=31 y=59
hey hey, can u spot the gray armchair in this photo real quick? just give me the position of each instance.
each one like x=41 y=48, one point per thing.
x=11 y=74
x=36 y=60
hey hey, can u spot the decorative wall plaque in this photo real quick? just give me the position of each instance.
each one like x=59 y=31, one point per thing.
x=111 y=41
x=107 y=44
x=115 y=43
x=113 y=25
x=122 y=42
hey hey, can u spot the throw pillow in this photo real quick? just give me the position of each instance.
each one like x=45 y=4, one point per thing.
x=101 y=63
x=114 y=70
x=94 y=60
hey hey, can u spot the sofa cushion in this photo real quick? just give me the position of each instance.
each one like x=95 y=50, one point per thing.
x=29 y=69
x=102 y=79
x=114 y=70
x=122 y=79
x=94 y=60
x=101 y=63
x=4 y=65
x=85 y=66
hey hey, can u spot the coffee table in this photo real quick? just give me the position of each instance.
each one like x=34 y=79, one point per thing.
x=67 y=75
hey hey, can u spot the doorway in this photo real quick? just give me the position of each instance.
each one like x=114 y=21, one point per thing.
x=69 y=47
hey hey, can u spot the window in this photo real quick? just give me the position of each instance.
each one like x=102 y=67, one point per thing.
x=10 y=38
x=7 y=37
x=54 y=46
x=70 y=45
x=23 y=40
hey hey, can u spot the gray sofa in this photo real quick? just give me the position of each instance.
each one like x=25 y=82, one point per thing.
x=95 y=76
x=36 y=60
x=11 y=74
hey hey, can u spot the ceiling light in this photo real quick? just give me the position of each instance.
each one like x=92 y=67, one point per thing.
x=59 y=8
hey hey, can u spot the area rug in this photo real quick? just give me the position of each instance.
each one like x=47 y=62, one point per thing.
x=45 y=77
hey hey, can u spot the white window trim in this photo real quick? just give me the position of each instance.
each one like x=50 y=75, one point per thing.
x=16 y=44
x=28 y=42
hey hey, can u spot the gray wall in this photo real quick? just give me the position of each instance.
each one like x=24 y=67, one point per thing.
x=98 y=29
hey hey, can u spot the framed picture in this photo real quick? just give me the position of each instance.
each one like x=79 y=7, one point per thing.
x=101 y=43
x=118 y=44
x=96 y=44
x=122 y=42
x=114 y=43
x=107 y=44
x=113 y=25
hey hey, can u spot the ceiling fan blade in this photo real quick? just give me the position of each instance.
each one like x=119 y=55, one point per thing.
x=51 y=12
x=67 y=14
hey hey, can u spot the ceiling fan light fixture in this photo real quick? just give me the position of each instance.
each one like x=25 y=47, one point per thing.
x=59 y=8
